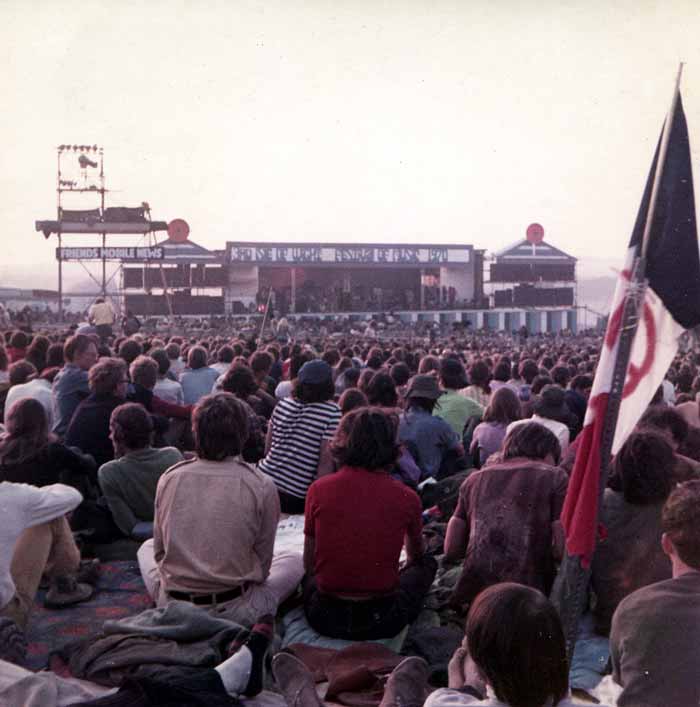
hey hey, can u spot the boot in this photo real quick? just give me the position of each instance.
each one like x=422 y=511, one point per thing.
x=88 y=572
x=295 y=681
x=66 y=591
x=406 y=684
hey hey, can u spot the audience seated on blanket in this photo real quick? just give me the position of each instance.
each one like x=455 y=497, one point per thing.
x=356 y=522
x=205 y=503
x=629 y=556
x=129 y=481
x=299 y=434
x=513 y=655
x=35 y=538
x=504 y=521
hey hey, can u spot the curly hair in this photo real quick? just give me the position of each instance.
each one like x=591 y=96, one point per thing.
x=106 y=375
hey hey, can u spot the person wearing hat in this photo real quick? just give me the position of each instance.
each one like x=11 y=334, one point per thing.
x=551 y=411
x=429 y=439
x=297 y=448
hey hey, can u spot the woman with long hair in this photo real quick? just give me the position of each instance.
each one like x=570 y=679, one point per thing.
x=29 y=454
x=489 y=434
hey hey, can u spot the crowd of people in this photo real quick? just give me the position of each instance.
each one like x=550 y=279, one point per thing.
x=195 y=447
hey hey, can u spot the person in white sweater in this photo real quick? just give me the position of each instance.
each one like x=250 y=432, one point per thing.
x=34 y=537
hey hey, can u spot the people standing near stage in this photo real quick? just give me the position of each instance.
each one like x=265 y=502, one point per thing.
x=101 y=316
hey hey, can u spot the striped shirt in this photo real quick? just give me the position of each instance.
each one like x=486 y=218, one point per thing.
x=297 y=432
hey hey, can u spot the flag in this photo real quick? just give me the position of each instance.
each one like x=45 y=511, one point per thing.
x=671 y=304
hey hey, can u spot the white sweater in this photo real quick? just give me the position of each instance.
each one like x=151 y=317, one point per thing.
x=452 y=698
x=21 y=507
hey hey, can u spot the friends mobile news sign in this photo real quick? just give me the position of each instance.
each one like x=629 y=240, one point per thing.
x=136 y=254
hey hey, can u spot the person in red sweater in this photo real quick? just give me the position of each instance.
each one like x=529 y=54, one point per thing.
x=357 y=521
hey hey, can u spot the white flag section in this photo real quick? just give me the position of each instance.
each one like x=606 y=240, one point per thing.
x=654 y=347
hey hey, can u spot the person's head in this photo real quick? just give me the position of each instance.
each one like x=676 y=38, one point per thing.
x=225 y=354
x=351 y=399
x=452 y=374
x=502 y=371
x=21 y=372
x=173 y=351
x=239 y=381
x=27 y=431
x=197 y=358
x=680 y=521
x=130 y=428
x=423 y=392
x=81 y=351
x=667 y=421
x=314 y=383
x=108 y=376
x=515 y=637
x=220 y=427
x=552 y=404
x=351 y=377
x=429 y=364
x=560 y=375
x=532 y=441
x=161 y=358
x=144 y=371
x=261 y=363
x=528 y=369
x=129 y=349
x=381 y=391
x=19 y=340
x=401 y=373
x=582 y=384
x=54 y=356
x=642 y=468
x=366 y=438
x=503 y=407
x=539 y=382
x=479 y=375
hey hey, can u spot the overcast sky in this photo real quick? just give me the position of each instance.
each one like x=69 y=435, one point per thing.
x=351 y=121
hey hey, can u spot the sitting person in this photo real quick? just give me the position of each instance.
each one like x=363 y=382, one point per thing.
x=143 y=372
x=489 y=434
x=129 y=481
x=29 y=454
x=71 y=386
x=34 y=538
x=655 y=635
x=239 y=381
x=629 y=556
x=89 y=428
x=454 y=408
x=513 y=655
x=299 y=434
x=166 y=388
x=30 y=387
x=430 y=440
x=197 y=379
x=359 y=518
x=228 y=560
x=505 y=515
x=551 y=411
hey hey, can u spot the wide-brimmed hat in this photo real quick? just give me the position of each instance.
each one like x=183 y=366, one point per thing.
x=422 y=386
x=315 y=372
x=552 y=403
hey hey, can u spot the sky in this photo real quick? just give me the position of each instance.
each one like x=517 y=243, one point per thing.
x=348 y=121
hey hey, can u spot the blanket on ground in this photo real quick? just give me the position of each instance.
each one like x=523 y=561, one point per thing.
x=355 y=675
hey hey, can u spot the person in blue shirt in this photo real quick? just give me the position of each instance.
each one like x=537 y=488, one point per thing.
x=198 y=378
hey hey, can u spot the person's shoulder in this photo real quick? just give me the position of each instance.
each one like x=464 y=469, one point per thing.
x=181 y=466
x=645 y=601
x=169 y=453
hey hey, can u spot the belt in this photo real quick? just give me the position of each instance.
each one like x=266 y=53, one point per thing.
x=208 y=599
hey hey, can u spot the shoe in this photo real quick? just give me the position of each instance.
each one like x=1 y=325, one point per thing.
x=88 y=572
x=66 y=591
x=295 y=681
x=406 y=684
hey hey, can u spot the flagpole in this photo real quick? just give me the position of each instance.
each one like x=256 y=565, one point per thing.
x=571 y=586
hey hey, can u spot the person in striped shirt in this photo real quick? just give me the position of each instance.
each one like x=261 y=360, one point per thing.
x=297 y=449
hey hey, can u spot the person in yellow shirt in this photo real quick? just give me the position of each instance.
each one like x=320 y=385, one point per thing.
x=101 y=316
